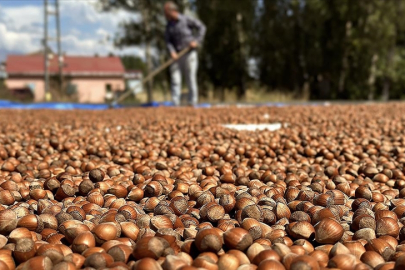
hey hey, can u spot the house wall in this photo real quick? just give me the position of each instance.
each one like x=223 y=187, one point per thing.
x=15 y=83
x=89 y=90
x=94 y=90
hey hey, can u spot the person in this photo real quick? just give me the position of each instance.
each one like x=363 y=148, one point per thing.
x=183 y=31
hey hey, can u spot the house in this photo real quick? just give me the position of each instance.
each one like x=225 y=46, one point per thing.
x=89 y=77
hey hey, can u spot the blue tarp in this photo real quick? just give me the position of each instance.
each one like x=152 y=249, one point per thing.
x=158 y=104
x=6 y=104
x=170 y=104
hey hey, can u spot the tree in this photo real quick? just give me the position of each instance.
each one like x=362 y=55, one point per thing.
x=288 y=44
x=131 y=62
x=343 y=49
x=338 y=49
x=392 y=21
x=226 y=51
x=2 y=85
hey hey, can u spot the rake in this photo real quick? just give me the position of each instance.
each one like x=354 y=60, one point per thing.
x=150 y=76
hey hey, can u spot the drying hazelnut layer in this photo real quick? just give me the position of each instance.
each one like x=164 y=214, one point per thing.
x=171 y=188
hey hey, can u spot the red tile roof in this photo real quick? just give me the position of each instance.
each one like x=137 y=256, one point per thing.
x=73 y=65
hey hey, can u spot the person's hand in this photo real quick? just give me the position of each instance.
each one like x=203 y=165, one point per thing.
x=174 y=55
x=193 y=44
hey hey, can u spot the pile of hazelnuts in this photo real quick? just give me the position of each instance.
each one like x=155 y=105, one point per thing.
x=172 y=188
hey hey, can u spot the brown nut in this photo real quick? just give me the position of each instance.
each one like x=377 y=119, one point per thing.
x=328 y=231
x=237 y=238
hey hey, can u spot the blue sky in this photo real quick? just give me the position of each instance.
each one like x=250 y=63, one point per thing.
x=84 y=30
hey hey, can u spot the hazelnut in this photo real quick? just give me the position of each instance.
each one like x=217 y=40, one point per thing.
x=328 y=231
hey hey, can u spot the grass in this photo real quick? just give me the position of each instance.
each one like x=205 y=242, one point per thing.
x=252 y=96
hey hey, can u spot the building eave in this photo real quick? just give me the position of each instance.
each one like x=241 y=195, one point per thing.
x=70 y=74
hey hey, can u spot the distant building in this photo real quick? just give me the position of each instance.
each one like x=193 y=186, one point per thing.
x=90 y=77
x=133 y=80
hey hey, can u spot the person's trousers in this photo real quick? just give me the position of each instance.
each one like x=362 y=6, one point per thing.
x=187 y=67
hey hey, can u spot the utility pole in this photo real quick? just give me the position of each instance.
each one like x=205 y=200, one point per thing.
x=60 y=56
x=46 y=59
x=47 y=13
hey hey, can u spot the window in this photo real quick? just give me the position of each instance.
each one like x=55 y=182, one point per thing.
x=108 y=87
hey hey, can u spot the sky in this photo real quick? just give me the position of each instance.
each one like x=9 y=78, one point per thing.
x=84 y=30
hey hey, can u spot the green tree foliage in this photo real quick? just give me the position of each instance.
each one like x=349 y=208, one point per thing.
x=226 y=49
x=336 y=49
x=2 y=85
x=343 y=49
x=131 y=62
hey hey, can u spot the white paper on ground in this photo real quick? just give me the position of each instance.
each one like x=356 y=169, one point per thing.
x=253 y=127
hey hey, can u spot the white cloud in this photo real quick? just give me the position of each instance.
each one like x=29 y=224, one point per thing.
x=85 y=31
x=102 y=32
x=20 y=29
x=86 y=12
x=74 y=31
x=78 y=46
x=17 y=41
x=19 y=18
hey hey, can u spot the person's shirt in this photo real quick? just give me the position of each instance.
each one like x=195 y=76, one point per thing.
x=180 y=33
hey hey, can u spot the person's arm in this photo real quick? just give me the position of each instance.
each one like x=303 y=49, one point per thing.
x=199 y=26
x=169 y=45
